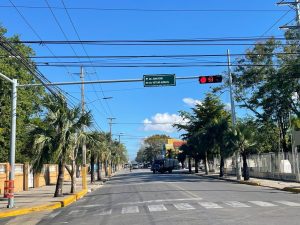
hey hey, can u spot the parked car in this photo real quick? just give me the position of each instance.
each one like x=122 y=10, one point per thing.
x=135 y=166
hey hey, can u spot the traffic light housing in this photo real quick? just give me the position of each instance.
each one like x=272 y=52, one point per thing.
x=210 y=79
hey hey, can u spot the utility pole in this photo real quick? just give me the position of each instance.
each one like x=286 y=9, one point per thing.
x=233 y=117
x=84 y=167
x=296 y=5
x=110 y=140
x=12 y=156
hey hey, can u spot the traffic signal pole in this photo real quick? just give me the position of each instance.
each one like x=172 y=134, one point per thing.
x=14 y=83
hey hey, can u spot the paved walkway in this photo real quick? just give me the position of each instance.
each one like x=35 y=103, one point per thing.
x=36 y=197
x=281 y=185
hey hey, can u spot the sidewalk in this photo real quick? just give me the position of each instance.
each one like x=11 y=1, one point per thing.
x=279 y=185
x=37 y=199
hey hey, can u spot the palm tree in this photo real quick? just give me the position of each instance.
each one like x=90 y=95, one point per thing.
x=244 y=141
x=60 y=139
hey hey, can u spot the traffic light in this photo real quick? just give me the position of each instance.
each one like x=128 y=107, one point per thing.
x=210 y=79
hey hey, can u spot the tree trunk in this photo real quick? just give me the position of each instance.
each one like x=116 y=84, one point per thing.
x=77 y=170
x=99 y=167
x=60 y=180
x=245 y=167
x=206 y=163
x=73 y=177
x=105 y=168
x=222 y=166
x=190 y=165
x=92 y=168
x=196 y=165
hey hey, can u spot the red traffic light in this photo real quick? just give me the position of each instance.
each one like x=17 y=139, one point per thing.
x=210 y=79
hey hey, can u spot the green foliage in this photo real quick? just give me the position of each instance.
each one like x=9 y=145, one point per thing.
x=28 y=102
x=152 y=148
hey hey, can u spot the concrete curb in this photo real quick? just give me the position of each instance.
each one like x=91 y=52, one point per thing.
x=23 y=211
x=62 y=203
x=290 y=189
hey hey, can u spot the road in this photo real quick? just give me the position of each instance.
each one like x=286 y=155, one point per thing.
x=142 y=198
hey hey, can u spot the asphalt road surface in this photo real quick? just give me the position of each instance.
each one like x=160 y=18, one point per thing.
x=142 y=198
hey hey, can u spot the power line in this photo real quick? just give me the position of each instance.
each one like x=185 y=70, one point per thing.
x=77 y=34
x=147 y=10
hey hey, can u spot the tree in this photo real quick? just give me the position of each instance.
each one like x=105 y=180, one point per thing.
x=268 y=90
x=200 y=128
x=244 y=141
x=60 y=139
x=28 y=104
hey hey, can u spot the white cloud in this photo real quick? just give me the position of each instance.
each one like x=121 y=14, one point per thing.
x=228 y=106
x=162 y=122
x=191 y=102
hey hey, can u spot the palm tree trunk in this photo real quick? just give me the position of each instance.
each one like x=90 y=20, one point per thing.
x=60 y=180
x=105 y=168
x=77 y=170
x=190 y=165
x=245 y=167
x=196 y=165
x=222 y=166
x=206 y=163
x=92 y=168
x=99 y=167
x=73 y=177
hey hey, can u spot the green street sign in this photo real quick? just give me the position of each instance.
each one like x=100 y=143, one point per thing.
x=157 y=80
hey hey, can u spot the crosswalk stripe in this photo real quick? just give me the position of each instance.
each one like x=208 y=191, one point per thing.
x=210 y=205
x=105 y=212
x=263 y=204
x=236 y=204
x=288 y=203
x=78 y=212
x=183 y=206
x=157 y=208
x=130 y=209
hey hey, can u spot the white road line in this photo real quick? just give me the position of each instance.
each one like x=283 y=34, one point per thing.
x=105 y=212
x=210 y=205
x=90 y=206
x=288 y=203
x=263 y=204
x=183 y=206
x=52 y=215
x=236 y=204
x=130 y=209
x=157 y=208
x=78 y=212
x=160 y=200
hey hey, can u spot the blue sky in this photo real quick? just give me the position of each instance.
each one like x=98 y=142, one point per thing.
x=132 y=104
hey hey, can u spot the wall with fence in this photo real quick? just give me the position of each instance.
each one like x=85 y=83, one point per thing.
x=278 y=166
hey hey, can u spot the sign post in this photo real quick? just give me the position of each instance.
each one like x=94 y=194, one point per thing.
x=158 y=80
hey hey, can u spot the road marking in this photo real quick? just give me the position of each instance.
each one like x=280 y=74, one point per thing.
x=210 y=205
x=183 y=206
x=190 y=194
x=52 y=215
x=288 y=203
x=130 y=209
x=236 y=204
x=89 y=206
x=78 y=212
x=160 y=200
x=157 y=208
x=105 y=212
x=263 y=204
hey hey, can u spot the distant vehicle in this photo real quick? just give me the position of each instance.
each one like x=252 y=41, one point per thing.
x=141 y=165
x=135 y=166
x=163 y=165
